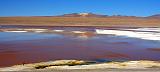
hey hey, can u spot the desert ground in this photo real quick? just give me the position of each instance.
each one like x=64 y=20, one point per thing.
x=82 y=21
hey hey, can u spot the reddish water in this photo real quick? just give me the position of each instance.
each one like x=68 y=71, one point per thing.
x=19 y=48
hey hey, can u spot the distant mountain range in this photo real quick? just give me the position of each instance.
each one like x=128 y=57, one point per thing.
x=99 y=15
x=83 y=15
x=155 y=16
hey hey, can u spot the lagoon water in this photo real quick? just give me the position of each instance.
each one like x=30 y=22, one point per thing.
x=27 y=44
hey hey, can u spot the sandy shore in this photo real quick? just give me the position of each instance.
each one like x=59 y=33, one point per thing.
x=84 y=65
x=100 y=70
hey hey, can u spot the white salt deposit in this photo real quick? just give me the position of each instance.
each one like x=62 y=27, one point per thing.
x=146 y=29
x=154 y=35
x=78 y=32
x=35 y=29
x=58 y=30
x=16 y=31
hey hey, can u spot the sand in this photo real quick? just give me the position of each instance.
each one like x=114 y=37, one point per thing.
x=84 y=65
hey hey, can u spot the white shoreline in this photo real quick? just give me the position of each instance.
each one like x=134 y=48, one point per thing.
x=134 y=34
x=16 y=31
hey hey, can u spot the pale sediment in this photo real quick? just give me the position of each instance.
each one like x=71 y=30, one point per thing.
x=141 y=33
x=79 y=64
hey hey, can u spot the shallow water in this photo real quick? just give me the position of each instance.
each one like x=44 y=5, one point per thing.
x=19 y=44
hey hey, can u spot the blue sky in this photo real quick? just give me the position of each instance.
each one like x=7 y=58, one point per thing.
x=58 y=7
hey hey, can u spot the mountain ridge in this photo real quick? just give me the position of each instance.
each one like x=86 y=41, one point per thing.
x=101 y=15
x=155 y=16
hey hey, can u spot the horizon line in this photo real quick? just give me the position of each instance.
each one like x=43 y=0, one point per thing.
x=76 y=13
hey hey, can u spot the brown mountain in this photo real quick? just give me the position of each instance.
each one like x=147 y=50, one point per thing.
x=93 y=15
